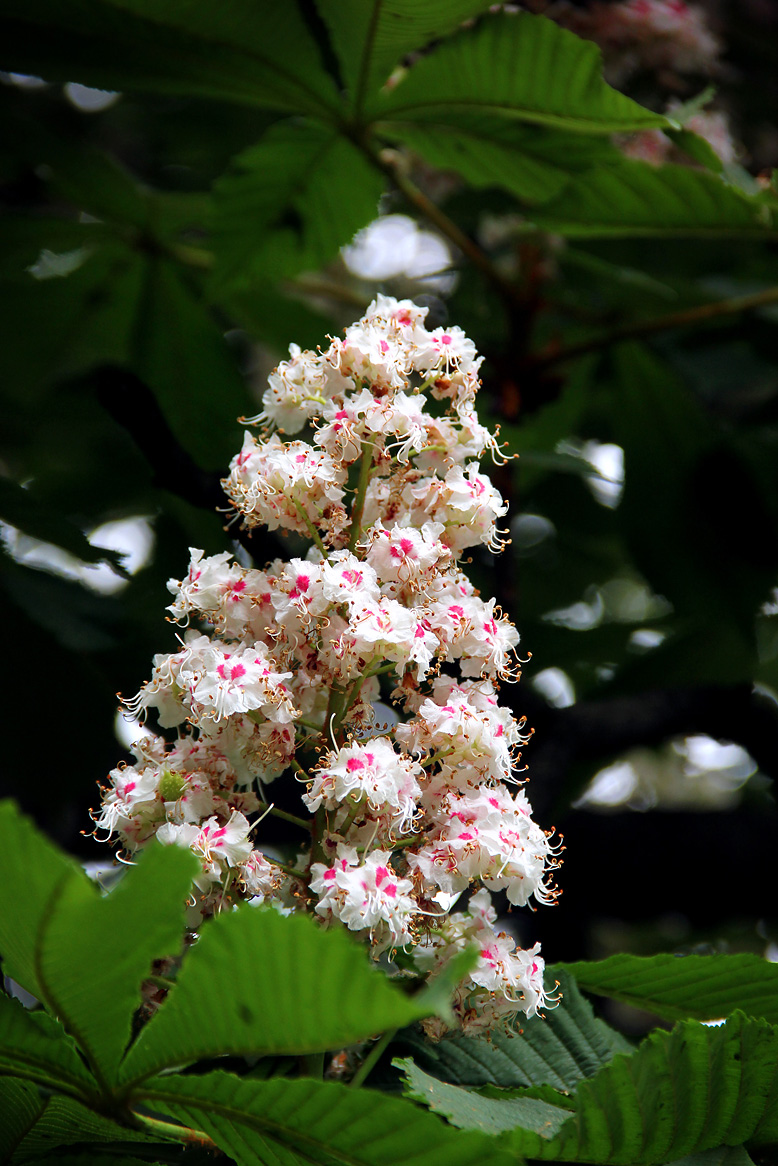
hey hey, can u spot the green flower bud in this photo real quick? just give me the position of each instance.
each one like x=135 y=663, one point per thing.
x=171 y=786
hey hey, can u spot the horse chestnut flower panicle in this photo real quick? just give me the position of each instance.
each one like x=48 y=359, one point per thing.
x=277 y=676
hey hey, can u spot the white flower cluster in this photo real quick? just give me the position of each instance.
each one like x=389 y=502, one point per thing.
x=282 y=679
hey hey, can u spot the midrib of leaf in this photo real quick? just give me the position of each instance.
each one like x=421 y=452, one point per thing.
x=511 y=111
x=364 y=65
x=298 y=1142
x=269 y=62
x=50 y=997
x=61 y=1082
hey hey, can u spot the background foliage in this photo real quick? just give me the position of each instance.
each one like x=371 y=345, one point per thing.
x=159 y=254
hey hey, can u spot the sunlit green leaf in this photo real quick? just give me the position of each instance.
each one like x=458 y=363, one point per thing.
x=531 y=162
x=36 y=874
x=222 y=1005
x=516 y=66
x=706 y=987
x=693 y=1089
x=635 y=198
x=469 y=1110
x=372 y=36
x=286 y=1123
x=95 y=987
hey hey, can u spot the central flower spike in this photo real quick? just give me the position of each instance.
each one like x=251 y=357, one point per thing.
x=370 y=448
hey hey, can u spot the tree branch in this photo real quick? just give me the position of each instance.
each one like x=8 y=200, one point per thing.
x=638 y=328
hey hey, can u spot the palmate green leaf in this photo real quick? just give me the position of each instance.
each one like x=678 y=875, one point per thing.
x=690 y=1090
x=181 y=353
x=706 y=987
x=288 y=1123
x=290 y=202
x=35 y=874
x=562 y=1049
x=469 y=1110
x=370 y=37
x=257 y=53
x=260 y=983
x=33 y=1045
x=533 y=163
x=521 y=67
x=94 y=986
x=631 y=198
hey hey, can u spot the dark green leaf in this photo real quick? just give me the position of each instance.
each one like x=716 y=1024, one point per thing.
x=221 y=1005
x=286 y=1123
x=531 y=162
x=372 y=36
x=562 y=1049
x=66 y=1123
x=290 y=202
x=706 y=987
x=180 y=352
x=517 y=66
x=693 y=1089
x=635 y=198
x=89 y=314
x=20 y=1107
x=257 y=54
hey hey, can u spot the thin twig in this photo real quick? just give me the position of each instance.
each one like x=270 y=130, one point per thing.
x=448 y=228
x=639 y=328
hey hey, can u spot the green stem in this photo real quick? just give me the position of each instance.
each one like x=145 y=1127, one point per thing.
x=358 y=508
x=392 y=667
x=640 y=328
x=311 y=528
x=372 y=1059
x=310 y=725
x=290 y=870
x=297 y=767
x=169 y=1131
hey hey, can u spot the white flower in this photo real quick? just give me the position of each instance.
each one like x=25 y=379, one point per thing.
x=366 y=897
x=374 y=773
